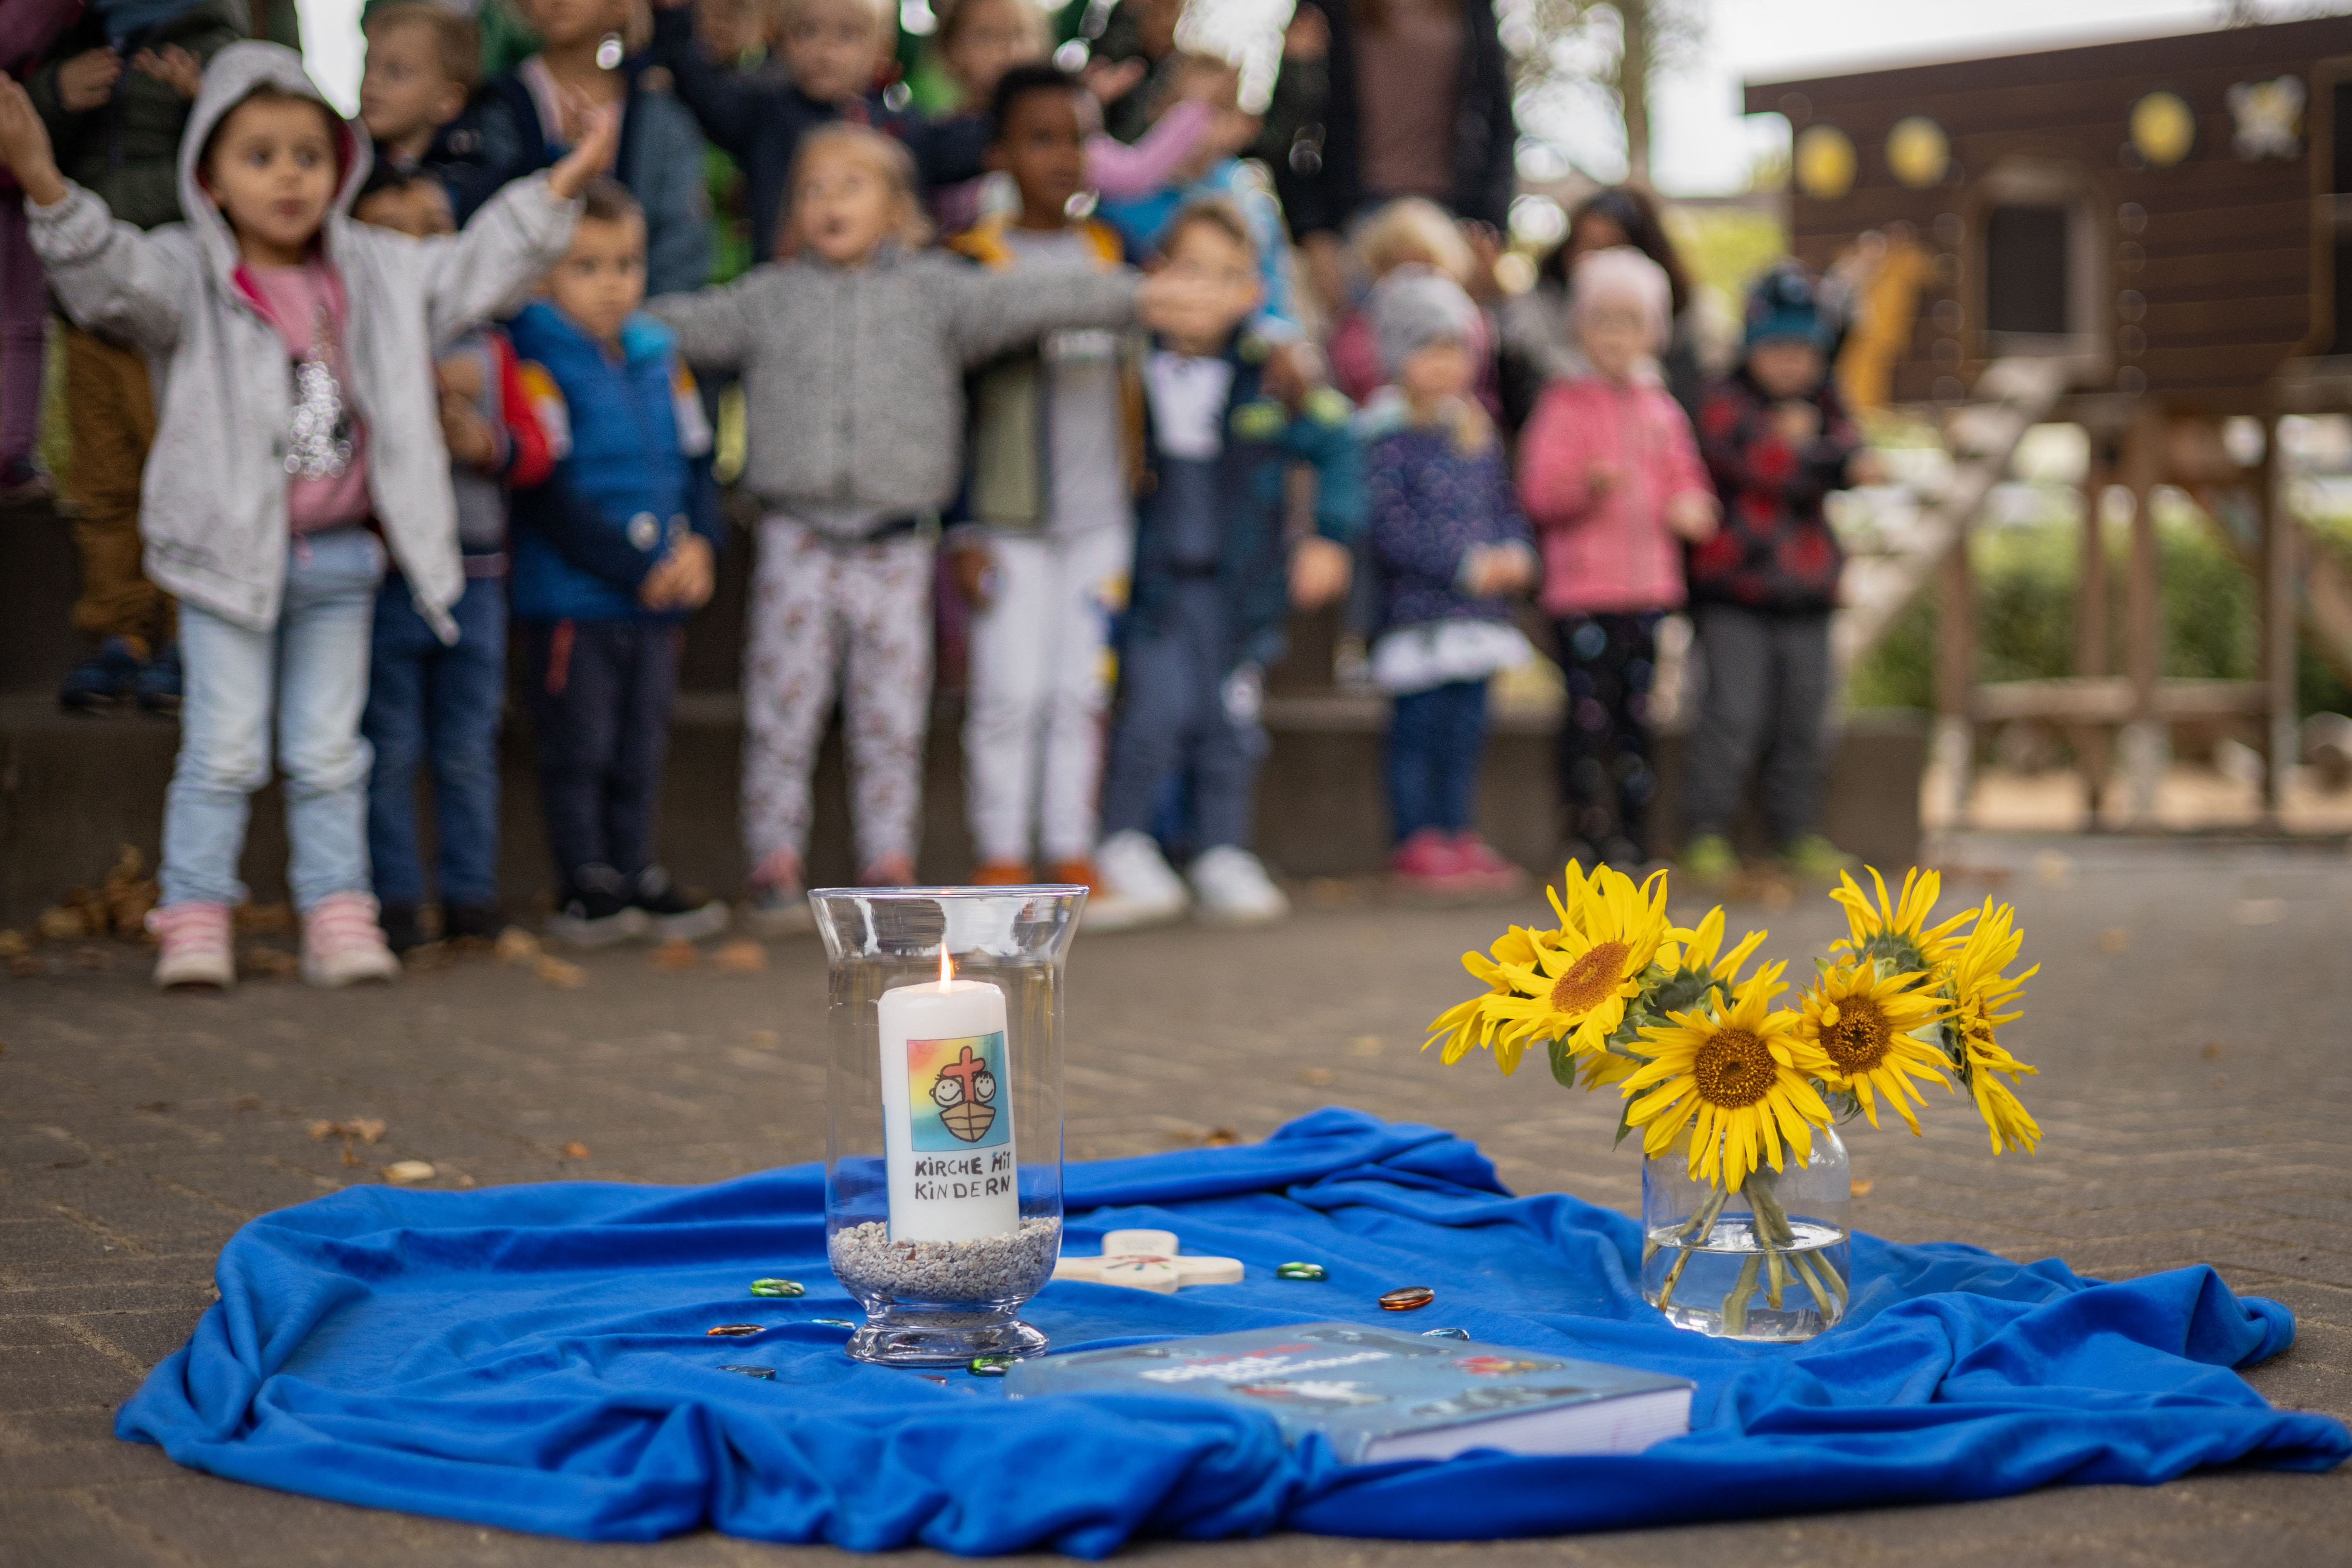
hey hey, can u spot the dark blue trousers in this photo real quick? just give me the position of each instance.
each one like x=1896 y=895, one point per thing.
x=428 y=703
x=1435 y=741
x=600 y=695
x=1173 y=716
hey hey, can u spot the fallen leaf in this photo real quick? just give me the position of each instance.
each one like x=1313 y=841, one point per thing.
x=2213 y=1050
x=264 y=919
x=1317 y=1078
x=268 y=963
x=93 y=957
x=515 y=946
x=556 y=973
x=60 y=922
x=575 y=1150
x=368 y=1129
x=1862 y=1186
x=745 y=957
x=1221 y=1137
x=1365 y=1044
x=24 y=965
x=2114 y=939
x=765 y=1039
x=405 y=1172
x=13 y=944
x=321 y=1131
x=676 y=957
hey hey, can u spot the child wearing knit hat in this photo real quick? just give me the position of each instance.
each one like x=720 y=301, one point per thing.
x=1612 y=480
x=1448 y=548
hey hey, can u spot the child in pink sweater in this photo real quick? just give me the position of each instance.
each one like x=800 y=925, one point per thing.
x=1611 y=478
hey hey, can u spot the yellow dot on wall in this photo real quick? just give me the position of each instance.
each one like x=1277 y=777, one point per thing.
x=1919 y=151
x=1825 y=163
x=2163 y=128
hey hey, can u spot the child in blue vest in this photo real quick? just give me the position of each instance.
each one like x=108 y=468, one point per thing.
x=609 y=555
x=1213 y=584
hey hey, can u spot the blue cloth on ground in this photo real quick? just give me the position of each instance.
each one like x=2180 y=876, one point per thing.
x=534 y=1357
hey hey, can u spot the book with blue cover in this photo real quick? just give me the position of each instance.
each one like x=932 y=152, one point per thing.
x=1377 y=1394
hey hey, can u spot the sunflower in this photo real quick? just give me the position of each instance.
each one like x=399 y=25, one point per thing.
x=1577 y=989
x=1980 y=990
x=1692 y=950
x=1864 y=1024
x=1898 y=930
x=1736 y=1077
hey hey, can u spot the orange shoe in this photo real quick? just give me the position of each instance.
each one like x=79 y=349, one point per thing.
x=1079 y=873
x=1001 y=874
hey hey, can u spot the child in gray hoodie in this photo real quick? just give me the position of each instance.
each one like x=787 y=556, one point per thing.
x=297 y=436
x=852 y=357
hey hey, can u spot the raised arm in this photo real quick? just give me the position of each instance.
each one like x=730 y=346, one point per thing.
x=994 y=311
x=714 y=326
x=729 y=109
x=112 y=277
x=488 y=268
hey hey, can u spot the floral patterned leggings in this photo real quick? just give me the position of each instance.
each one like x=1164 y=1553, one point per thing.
x=829 y=616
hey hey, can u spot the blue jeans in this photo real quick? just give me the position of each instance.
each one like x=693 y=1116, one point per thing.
x=426 y=700
x=1435 y=741
x=309 y=674
x=1173 y=721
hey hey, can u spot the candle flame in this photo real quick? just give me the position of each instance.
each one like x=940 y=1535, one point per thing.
x=947 y=970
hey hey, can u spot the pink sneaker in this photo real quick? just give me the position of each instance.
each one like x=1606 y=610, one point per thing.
x=342 y=942
x=1428 y=860
x=1484 y=869
x=196 y=949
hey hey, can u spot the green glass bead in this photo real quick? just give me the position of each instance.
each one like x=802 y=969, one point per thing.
x=990 y=1365
x=1302 y=1271
x=778 y=1288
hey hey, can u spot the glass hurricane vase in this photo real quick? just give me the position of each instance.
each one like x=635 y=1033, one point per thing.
x=1771 y=1261
x=944 y=1092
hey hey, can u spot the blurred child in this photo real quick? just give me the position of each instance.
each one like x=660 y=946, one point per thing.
x=833 y=49
x=424 y=61
x=852 y=357
x=425 y=697
x=273 y=319
x=1213 y=582
x=1215 y=171
x=610 y=556
x=1045 y=559
x=1613 y=485
x=114 y=100
x=1447 y=545
x=1776 y=441
x=589 y=60
x=26 y=34
x=1411 y=231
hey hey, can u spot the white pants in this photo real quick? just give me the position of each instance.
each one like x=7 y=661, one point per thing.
x=1040 y=679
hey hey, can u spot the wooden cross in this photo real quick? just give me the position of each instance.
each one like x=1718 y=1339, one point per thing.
x=1147 y=1260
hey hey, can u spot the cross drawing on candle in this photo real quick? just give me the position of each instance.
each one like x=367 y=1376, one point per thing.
x=965 y=1092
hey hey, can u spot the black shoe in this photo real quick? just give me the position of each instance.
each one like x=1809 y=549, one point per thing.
x=597 y=911
x=401 y=931
x=157 y=687
x=672 y=917
x=1619 y=853
x=472 y=922
x=103 y=682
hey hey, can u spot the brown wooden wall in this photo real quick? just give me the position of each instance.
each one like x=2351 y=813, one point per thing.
x=2235 y=279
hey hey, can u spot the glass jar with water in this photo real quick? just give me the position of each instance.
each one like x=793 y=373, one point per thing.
x=1770 y=1260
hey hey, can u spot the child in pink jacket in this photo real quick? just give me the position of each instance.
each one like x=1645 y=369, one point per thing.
x=1611 y=478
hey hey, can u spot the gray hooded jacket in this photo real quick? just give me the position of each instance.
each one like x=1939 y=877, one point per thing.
x=213 y=501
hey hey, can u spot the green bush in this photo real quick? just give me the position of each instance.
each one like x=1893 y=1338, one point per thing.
x=2026 y=576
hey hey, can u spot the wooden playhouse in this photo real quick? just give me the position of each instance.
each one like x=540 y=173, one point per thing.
x=2152 y=239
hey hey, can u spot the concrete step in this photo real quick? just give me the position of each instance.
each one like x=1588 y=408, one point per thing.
x=73 y=789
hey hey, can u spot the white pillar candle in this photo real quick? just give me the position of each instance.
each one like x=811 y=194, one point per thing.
x=947 y=1111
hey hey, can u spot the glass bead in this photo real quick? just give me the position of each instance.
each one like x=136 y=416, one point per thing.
x=778 y=1288
x=734 y=1330
x=1407 y=1298
x=1445 y=1333
x=992 y=1366
x=765 y=1373
x=1302 y=1271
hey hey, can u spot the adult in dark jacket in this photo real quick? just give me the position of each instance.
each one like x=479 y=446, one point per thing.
x=1416 y=102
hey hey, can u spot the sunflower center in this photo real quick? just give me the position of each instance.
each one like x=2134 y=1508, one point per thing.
x=1857 y=1042
x=1733 y=1069
x=1590 y=979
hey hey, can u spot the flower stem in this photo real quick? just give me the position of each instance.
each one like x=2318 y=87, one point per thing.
x=1776 y=1274
x=1805 y=1267
x=1735 y=1305
x=1701 y=1221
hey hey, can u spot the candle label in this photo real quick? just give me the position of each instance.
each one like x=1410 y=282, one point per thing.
x=953 y=1089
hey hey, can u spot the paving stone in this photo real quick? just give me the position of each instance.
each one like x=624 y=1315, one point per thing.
x=137 y=1130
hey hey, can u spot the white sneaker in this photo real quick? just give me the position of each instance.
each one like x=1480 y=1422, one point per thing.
x=196 y=941
x=342 y=945
x=1138 y=887
x=1232 y=887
